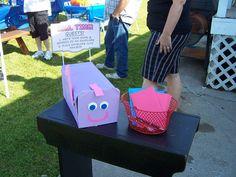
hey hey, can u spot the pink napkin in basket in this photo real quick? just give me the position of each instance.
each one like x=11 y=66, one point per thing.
x=151 y=100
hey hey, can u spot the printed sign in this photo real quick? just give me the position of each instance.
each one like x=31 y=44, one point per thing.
x=75 y=35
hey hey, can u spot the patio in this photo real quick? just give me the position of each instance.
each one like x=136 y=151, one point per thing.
x=212 y=153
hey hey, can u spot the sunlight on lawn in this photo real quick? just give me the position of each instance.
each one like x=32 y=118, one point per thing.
x=35 y=85
x=21 y=68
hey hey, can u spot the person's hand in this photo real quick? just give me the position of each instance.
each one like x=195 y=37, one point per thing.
x=115 y=17
x=165 y=43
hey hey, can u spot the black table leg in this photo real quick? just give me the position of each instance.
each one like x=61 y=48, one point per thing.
x=74 y=164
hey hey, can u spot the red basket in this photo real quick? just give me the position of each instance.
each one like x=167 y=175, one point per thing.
x=150 y=123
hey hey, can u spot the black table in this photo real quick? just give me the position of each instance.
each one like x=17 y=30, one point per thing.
x=159 y=155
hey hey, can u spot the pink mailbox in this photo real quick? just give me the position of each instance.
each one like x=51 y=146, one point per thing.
x=92 y=99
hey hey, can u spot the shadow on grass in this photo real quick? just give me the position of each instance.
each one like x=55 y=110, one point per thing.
x=23 y=149
x=9 y=48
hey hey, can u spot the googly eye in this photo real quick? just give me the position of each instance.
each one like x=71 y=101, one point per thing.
x=92 y=106
x=104 y=105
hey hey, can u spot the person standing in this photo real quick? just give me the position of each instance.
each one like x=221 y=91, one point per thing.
x=121 y=14
x=38 y=12
x=170 y=24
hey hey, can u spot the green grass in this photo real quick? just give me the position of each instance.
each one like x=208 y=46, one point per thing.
x=35 y=85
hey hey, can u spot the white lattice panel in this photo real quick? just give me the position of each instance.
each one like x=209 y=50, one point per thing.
x=222 y=63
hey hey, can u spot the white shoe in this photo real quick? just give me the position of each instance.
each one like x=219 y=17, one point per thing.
x=48 y=55
x=113 y=76
x=103 y=66
x=38 y=54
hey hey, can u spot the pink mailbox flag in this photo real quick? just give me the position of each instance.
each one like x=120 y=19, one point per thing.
x=92 y=99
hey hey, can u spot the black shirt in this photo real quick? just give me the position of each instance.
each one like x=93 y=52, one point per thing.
x=157 y=14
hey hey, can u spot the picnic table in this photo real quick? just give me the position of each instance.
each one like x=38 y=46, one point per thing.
x=160 y=155
x=17 y=35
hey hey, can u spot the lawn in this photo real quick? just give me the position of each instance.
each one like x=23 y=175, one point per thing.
x=35 y=85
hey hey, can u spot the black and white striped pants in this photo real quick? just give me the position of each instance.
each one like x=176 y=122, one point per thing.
x=158 y=65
